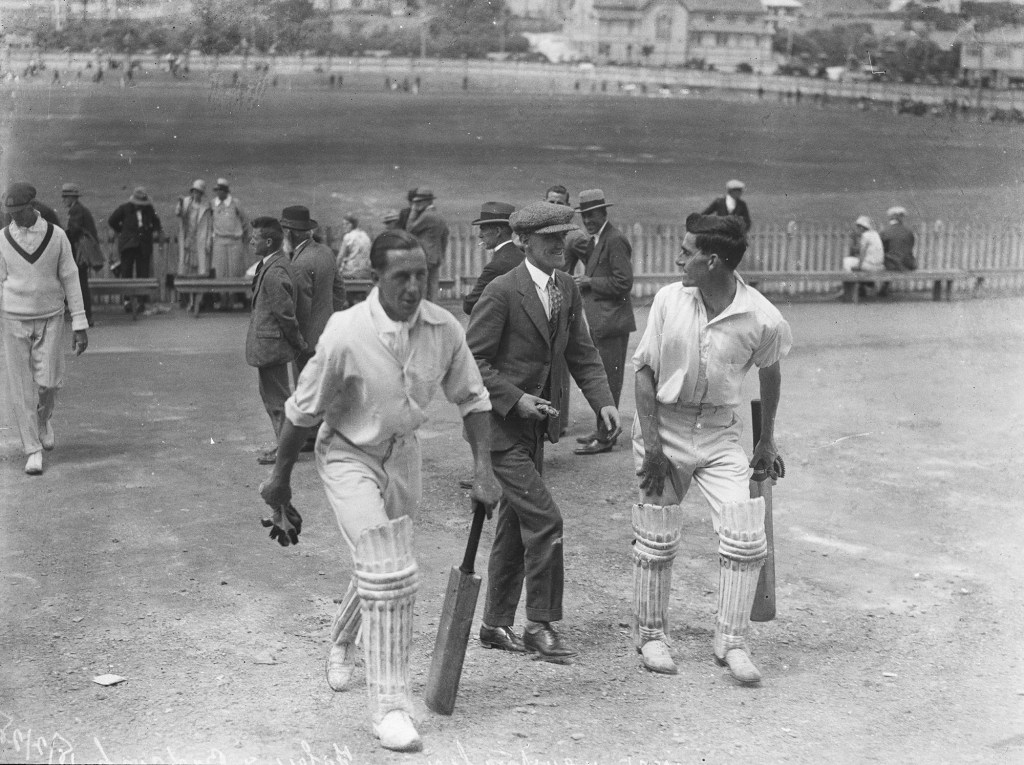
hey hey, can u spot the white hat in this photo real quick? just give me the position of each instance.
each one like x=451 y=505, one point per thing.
x=734 y=184
x=894 y=211
x=222 y=183
x=864 y=221
x=199 y=185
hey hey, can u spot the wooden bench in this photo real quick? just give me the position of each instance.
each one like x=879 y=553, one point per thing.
x=194 y=288
x=127 y=288
x=942 y=279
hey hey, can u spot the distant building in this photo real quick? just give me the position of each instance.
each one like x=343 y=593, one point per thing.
x=724 y=34
x=946 y=6
x=994 y=58
x=783 y=13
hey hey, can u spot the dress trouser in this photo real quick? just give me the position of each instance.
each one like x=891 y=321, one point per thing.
x=83 y=282
x=612 y=350
x=136 y=263
x=274 y=391
x=527 y=537
x=34 y=360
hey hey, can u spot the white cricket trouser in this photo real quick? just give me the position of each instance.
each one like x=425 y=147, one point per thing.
x=34 y=360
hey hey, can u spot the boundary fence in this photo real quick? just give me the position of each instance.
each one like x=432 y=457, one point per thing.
x=808 y=247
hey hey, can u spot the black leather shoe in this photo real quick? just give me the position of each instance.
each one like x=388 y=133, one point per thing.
x=267 y=458
x=588 y=438
x=502 y=638
x=547 y=643
x=597 y=446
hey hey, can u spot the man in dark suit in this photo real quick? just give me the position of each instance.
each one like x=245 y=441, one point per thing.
x=135 y=222
x=274 y=338
x=319 y=288
x=495 y=235
x=526 y=320
x=731 y=203
x=80 y=223
x=426 y=224
x=606 y=284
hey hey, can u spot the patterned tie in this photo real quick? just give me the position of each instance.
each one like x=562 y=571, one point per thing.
x=555 y=302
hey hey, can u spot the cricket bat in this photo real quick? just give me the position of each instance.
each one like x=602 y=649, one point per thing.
x=453 y=628
x=761 y=484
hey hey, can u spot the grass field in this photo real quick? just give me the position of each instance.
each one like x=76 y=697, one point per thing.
x=657 y=159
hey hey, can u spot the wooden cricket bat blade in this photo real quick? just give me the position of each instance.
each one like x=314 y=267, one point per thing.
x=763 y=609
x=452 y=638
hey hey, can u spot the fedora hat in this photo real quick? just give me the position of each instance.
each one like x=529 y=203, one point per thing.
x=70 y=190
x=297 y=218
x=18 y=196
x=140 y=197
x=423 y=192
x=592 y=199
x=222 y=183
x=494 y=212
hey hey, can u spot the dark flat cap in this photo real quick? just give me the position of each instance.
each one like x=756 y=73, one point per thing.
x=18 y=196
x=494 y=212
x=542 y=218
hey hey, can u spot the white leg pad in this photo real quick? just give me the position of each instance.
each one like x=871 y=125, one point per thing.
x=657 y=529
x=742 y=549
x=387 y=579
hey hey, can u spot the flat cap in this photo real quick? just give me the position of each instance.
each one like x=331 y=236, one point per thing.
x=735 y=185
x=592 y=199
x=70 y=190
x=494 y=212
x=894 y=211
x=542 y=218
x=18 y=196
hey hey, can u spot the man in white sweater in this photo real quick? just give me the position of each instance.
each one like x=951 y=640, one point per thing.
x=37 y=274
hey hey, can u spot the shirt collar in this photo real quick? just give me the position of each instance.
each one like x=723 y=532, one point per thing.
x=268 y=257
x=539 y=278
x=217 y=201
x=38 y=226
x=600 y=231
x=383 y=323
x=499 y=246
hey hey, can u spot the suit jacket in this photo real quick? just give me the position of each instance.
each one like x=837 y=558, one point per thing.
x=319 y=289
x=80 y=221
x=608 y=301
x=432 y=232
x=273 y=337
x=505 y=258
x=718 y=207
x=514 y=348
x=130 y=235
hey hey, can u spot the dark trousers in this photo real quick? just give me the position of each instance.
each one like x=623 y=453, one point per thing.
x=136 y=264
x=527 y=538
x=83 y=281
x=274 y=391
x=612 y=350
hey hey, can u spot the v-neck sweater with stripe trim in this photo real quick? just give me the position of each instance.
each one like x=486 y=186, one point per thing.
x=37 y=290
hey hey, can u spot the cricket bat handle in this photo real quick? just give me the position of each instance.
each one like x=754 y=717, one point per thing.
x=475 y=530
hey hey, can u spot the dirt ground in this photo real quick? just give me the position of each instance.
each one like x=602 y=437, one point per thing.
x=139 y=553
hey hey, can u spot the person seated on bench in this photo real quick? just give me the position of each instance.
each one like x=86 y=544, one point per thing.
x=865 y=255
x=898 y=244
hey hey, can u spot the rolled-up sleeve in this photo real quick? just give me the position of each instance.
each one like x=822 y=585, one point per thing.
x=775 y=344
x=462 y=383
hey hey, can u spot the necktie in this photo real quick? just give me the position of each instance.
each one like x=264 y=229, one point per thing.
x=555 y=303
x=256 y=277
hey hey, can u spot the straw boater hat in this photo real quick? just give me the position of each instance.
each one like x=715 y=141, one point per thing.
x=542 y=218
x=894 y=212
x=18 y=196
x=423 y=192
x=391 y=216
x=222 y=183
x=735 y=185
x=140 y=197
x=864 y=221
x=70 y=190
x=592 y=199
x=494 y=212
x=198 y=185
x=297 y=218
